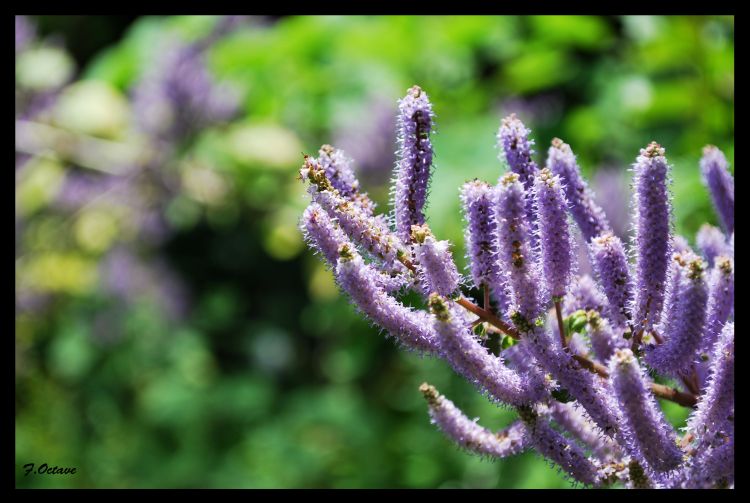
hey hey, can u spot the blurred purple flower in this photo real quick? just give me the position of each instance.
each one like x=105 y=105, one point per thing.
x=81 y=188
x=539 y=109
x=25 y=33
x=129 y=278
x=370 y=142
x=180 y=96
x=612 y=188
x=144 y=208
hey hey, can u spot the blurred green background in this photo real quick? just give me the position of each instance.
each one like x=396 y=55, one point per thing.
x=172 y=330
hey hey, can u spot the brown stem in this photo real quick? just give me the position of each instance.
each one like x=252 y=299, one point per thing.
x=636 y=341
x=594 y=367
x=486 y=304
x=406 y=261
x=686 y=440
x=659 y=390
x=484 y=314
x=561 y=325
x=691 y=381
x=674 y=395
x=488 y=317
x=658 y=338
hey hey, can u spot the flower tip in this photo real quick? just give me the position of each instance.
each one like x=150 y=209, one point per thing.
x=724 y=264
x=622 y=357
x=546 y=176
x=420 y=232
x=439 y=307
x=558 y=143
x=428 y=390
x=509 y=179
x=708 y=149
x=510 y=120
x=652 y=150
x=414 y=91
x=696 y=266
x=345 y=252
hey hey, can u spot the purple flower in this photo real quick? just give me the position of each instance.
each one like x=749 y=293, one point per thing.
x=365 y=230
x=370 y=142
x=720 y=300
x=652 y=241
x=720 y=183
x=472 y=360
x=513 y=139
x=719 y=310
x=435 y=267
x=481 y=239
x=604 y=340
x=649 y=438
x=514 y=248
x=586 y=296
x=553 y=445
x=415 y=161
x=589 y=389
x=613 y=194
x=585 y=400
x=713 y=421
x=611 y=265
x=408 y=326
x=574 y=419
x=470 y=435
x=711 y=468
x=322 y=234
x=711 y=242
x=684 y=317
x=339 y=172
x=25 y=33
x=555 y=239
x=179 y=96
x=588 y=215
x=680 y=244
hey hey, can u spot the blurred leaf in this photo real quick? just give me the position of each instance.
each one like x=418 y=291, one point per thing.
x=588 y=32
x=538 y=69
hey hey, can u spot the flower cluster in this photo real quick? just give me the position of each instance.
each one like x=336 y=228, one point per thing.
x=583 y=360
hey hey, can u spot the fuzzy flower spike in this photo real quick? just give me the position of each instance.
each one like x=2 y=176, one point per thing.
x=514 y=249
x=338 y=169
x=611 y=265
x=720 y=183
x=481 y=238
x=470 y=435
x=652 y=241
x=650 y=439
x=554 y=233
x=435 y=267
x=410 y=327
x=470 y=359
x=587 y=214
x=415 y=161
x=516 y=150
x=684 y=320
